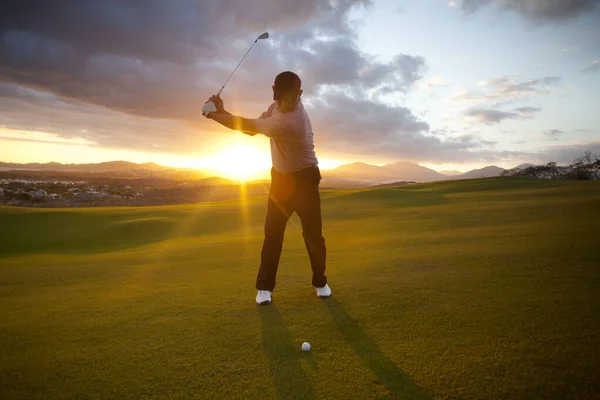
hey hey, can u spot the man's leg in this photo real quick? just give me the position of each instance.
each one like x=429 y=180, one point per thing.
x=307 y=203
x=279 y=209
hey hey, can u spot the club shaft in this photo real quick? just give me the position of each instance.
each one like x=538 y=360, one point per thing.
x=240 y=63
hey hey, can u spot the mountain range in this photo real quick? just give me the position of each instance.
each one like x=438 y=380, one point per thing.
x=360 y=174
x=111 y=166
x=356 y=174
x=111 y=169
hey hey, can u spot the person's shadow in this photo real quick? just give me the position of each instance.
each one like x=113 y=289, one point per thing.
x=387 y=372
x=284 y=359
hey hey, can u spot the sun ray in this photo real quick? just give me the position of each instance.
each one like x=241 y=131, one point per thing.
x=245 y=215
x=239 y=162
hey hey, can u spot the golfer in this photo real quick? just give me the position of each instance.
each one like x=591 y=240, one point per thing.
x=295 y=179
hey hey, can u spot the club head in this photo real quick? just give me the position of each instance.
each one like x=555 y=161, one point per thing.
x=263 y=36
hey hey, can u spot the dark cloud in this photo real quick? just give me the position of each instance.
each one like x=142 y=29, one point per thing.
x=82 y=67
x=527 y=111
x=155 y=29
x=553 y=134
x=538 y=10
x=133 y=75
x=489 y=116
x=400 y=134
x=338 y=62
x=355 y=121
x=162 y=59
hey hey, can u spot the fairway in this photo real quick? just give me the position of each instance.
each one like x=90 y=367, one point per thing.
x=476 y=289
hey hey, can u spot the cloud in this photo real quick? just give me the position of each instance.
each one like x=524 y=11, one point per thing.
x=30 y=110
x=451 y=3
x=537 y=10
x=326 y=62
x=553 y=134
x=526 y=111
x=137 y=78
x=562 y=154
x=344 y=125
x=135 y=74
x=507 y=89
x=489 y=116
x=159 y=30
x=367 y=127
x=593 y=67
x=437 y=81
x=566 y=154
x=161 y=60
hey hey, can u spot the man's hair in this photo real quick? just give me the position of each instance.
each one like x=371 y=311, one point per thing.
x=286 y=84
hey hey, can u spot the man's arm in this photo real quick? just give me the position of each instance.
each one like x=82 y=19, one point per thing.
x=245 y=125
x=229 y=120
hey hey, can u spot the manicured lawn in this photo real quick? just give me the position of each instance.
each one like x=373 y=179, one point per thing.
x=480 y=289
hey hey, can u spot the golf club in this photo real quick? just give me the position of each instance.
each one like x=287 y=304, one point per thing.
x=263 y=36
x=209 y=106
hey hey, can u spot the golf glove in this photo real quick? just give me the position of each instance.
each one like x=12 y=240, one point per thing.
x=208 y=107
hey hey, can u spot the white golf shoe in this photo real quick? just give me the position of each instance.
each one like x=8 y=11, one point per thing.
x=263 y=297
x=323 y=292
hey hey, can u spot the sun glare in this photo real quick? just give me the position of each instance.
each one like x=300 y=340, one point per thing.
x=240 y=162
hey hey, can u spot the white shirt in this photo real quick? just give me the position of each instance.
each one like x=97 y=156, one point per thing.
x=292 y=138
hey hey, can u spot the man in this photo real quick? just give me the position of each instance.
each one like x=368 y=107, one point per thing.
x=295 y=179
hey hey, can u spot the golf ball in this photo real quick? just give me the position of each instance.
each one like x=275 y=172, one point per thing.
x=305 y=346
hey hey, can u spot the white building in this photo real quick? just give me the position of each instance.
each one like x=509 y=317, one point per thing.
x=38 y=194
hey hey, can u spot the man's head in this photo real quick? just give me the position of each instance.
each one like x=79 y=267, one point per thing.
x=287 y=90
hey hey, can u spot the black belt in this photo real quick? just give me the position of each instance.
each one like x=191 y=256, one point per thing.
x=295 y=173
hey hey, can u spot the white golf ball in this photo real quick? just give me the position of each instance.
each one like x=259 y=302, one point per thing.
x=306 y=346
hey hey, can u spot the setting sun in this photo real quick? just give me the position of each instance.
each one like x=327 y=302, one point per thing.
x=239 y=161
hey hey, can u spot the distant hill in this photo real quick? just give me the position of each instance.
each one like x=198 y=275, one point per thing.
x=486 y=172
x=110 y=166
x=451 y=173
x=110 y=169
x=408 y=171
x=361 y=174
x=354 y=175
x=395 y=183
x=359 y=171
x=521 y=167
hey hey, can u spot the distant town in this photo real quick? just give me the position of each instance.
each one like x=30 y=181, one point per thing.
x=122 y=183
x=39 y=189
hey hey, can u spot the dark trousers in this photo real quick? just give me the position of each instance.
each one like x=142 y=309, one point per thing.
x=295 y=192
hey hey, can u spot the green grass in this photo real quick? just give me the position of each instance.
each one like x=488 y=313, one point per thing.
x=481 y=289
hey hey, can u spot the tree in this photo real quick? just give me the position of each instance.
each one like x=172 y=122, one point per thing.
x=585 y=167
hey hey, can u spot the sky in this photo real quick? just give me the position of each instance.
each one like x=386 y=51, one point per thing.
x=451 y=85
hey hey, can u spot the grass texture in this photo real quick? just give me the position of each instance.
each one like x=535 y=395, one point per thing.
x=479 y=289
